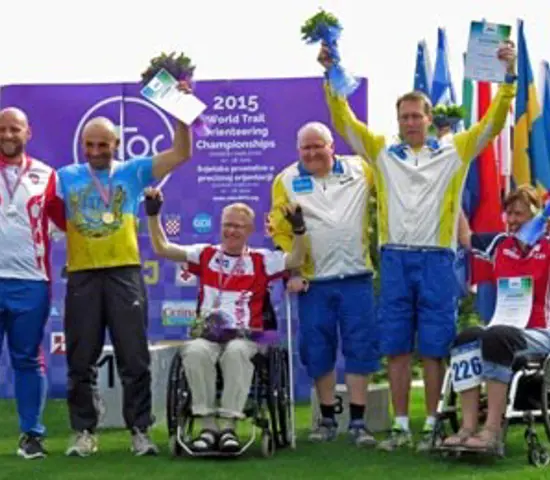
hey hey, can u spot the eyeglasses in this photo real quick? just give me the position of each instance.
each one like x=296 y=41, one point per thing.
x=234 y=226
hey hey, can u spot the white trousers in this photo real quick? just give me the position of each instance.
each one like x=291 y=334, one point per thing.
x=235 y=358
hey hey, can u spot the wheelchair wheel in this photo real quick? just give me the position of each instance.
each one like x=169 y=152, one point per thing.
x=268 y=444
x=538 y=456
x=545 y=394
x=283 y=400
x=178 y=398
x=271 y=390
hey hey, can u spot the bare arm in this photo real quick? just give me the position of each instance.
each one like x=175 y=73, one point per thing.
x=295 y=216
x=168 y=160
x=297 y=255
x=161 y=246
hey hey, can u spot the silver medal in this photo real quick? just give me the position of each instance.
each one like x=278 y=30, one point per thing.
x=12 y=210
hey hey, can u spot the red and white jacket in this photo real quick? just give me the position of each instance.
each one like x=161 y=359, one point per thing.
x=237 y=285
x=25 y=231
x=509 y=260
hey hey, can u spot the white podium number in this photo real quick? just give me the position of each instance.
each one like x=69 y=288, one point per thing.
x=466 y=366
x=108 y=361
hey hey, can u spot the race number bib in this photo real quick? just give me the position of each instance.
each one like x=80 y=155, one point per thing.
x=466 y=366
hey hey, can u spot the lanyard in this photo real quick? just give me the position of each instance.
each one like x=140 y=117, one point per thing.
x=12 y=189
x=222 y=284
x=105 y=193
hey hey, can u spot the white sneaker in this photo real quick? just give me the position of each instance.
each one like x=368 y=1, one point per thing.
x=83 y=444
x=142 y=444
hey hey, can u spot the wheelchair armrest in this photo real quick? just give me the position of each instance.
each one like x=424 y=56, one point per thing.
x=528 y=360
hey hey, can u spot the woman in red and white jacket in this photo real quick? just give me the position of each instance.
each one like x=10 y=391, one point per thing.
x=486 y=354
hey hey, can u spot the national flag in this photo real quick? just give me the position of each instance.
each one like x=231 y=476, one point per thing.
x=482 y=196
x=530 y=159
x=442 y=91
x=423 y=70
x=172 y=225
x=545 y=101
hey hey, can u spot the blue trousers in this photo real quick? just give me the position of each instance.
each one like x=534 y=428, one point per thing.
x=24 y=310
x=338 y=308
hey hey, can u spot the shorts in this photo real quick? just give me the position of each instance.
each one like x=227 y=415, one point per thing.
x=333 y=308
x=418 y=301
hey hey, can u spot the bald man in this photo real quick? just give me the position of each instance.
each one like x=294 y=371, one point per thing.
x=105 y=288
x=336 y=292
x=28 y=203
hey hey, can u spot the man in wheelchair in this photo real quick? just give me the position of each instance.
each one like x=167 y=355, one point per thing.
x=233 y=280
x=488 y=353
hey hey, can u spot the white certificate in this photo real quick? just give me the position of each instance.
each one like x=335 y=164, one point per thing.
x=482 y=63
x=514 y=302
x=162 y=91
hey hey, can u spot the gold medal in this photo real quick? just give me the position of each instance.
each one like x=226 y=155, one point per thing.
x=108 y=218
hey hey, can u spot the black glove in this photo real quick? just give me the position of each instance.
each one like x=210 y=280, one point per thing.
x=296 y=219
x=152 y=205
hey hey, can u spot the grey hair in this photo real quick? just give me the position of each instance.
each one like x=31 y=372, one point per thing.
x=319 y=128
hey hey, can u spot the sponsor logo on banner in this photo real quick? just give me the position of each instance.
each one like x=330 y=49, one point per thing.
x=57 y=343
x=151 y=272
x=172 y=225
x=202 y=223
x=178 y=313
x=184 y=278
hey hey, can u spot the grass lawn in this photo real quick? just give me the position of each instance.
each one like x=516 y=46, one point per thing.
x=337 y=460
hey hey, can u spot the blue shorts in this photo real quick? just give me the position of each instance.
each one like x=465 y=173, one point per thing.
x=418 y=301
x=332 y=307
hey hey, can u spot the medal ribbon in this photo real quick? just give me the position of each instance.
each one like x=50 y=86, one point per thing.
x=26 y=164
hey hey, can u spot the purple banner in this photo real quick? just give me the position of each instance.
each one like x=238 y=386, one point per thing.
x=254 y=125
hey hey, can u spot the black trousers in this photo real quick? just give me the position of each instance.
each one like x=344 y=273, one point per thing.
x=113 y=298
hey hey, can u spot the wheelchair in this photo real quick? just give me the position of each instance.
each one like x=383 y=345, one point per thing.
x=270 y=404
x=528 y=402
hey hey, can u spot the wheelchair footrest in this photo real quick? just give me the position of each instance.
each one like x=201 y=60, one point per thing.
x=458 y=450
x=216 y=454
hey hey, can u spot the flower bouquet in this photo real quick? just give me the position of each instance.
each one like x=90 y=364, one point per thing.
x=214 y=326
x=181 y=69
x=325 y=27
x=447 y=115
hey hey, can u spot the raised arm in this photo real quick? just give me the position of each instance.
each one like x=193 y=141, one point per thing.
x=356 y=133
x=181 y=150
x=471 y=142
x=161 y=245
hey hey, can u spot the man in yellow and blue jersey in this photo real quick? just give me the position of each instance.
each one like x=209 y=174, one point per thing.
x=105 y=287
x=419 y=185
x=336 y=292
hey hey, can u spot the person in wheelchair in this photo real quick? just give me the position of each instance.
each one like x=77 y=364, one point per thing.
x=498 y=344
x=233 y=281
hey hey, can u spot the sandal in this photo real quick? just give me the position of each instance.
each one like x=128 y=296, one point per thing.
x=458 y=439
x=486 y=440
x=229 y=443
x=205 y=442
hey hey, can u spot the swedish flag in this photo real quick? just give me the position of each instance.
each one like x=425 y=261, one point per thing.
x=530 y=161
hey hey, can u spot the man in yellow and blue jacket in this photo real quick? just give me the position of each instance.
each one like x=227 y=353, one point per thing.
x=336 y=278
x=419 y=185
